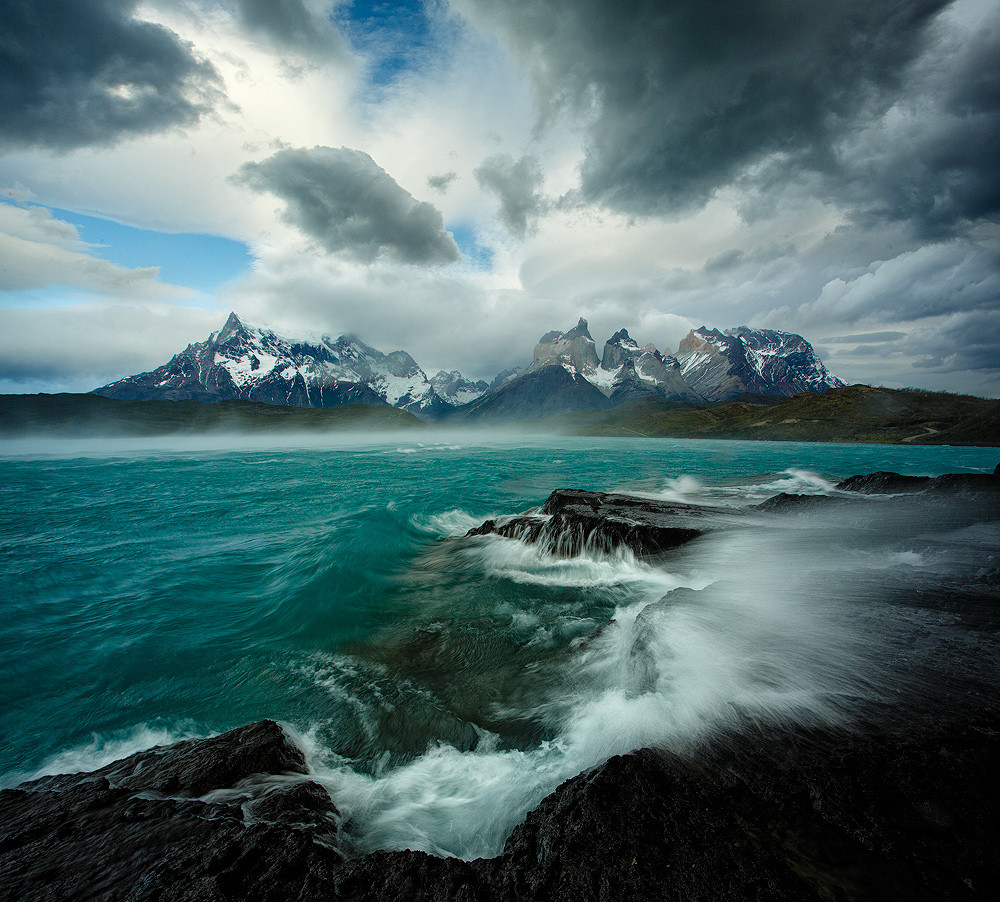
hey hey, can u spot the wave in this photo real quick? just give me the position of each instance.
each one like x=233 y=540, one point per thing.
x=101 y=750
x=686 y=489
x=784 y=624
x=453 y=522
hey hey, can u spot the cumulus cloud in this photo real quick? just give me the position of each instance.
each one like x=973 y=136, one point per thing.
x=76 y=73
x=294 y=26
x=516 y=184
x=40 y=251
x=935 y=280
x=351 y=206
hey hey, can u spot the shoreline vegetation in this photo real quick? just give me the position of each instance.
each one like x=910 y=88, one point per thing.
x=853 y=414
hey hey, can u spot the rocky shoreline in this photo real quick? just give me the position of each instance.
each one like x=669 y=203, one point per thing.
x=902 y=803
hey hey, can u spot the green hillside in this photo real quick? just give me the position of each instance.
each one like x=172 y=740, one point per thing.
x=91 y=415
x=857 y=413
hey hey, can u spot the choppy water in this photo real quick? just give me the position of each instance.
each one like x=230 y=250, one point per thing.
x=443 y=687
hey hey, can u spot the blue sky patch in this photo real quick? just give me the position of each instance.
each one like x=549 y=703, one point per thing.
x=393 y=36
x=474 y=254
x=202 y=262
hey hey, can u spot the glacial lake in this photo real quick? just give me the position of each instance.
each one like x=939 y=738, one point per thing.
x=156 y=590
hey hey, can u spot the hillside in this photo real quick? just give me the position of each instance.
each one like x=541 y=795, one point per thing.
x=855 y=413
x=92 y=415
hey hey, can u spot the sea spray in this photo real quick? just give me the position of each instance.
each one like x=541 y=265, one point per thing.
x=795 y=628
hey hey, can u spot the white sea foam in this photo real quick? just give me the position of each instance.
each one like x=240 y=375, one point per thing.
x=686 y=489
x=521 y=562
x=448 y=523
x=775 y=638
x=100 y=750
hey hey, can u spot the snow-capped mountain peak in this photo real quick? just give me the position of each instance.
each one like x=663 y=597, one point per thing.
x=760 y=361
x=256 y=363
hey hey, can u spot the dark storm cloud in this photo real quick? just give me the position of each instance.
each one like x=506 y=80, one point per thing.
x=938 y=168
x=350 y=205
x=966 y=341
x=75 y=73
x=292 y=26
x=685 y=97
x=516 y=184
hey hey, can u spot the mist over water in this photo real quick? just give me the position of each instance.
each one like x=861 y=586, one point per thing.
x=443 y=685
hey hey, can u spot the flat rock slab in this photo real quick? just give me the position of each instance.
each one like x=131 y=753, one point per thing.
x=572 y=521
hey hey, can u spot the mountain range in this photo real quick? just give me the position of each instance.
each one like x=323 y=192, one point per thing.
x=252 y=363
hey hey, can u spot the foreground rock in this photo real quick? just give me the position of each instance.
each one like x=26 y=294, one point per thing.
x=905 y=811
x=572 y=521
x=146 y=827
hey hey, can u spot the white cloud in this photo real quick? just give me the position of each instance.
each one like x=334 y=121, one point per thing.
x=39 y=251
x=80 y=347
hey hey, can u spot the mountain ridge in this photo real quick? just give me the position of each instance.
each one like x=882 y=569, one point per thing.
x=254 y=363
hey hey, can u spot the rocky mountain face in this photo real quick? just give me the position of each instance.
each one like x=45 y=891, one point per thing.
x=720 y=365
x=574 y=350
x=454 y=388
x=251 y=363
x=709 y=366
x=543 y=392
x=247 y=362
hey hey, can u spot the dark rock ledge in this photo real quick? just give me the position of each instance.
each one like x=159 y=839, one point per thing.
x=982 y=488
x=764 y=814
x=572 y=521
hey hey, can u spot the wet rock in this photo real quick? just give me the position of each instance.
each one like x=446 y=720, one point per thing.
x=133 y=830
x=906 y=810
x=884 y=483
x=784 y=501
x=573 y=521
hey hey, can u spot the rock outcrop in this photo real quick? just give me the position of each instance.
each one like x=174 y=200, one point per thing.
x=886 y=483
x=572 y=521
x=901 y=809
x=574 y=349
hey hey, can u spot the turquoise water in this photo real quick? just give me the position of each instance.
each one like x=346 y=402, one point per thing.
x=441 y=688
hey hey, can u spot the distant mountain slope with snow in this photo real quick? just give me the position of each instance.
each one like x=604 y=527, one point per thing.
x=720 y=365
x=247 y=362
x=253 y=363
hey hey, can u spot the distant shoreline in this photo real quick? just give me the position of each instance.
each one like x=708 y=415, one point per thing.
x=855 y=414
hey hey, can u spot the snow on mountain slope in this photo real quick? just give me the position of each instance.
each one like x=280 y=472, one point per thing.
x=721 y=365
x=455 y=388
x=258 y=364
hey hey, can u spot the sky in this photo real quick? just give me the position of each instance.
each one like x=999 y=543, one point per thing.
x=457 y=177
